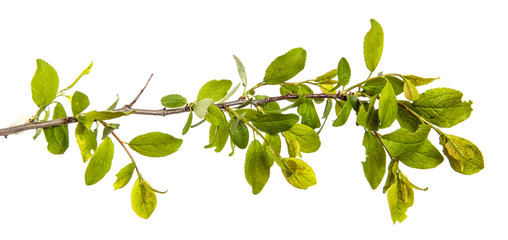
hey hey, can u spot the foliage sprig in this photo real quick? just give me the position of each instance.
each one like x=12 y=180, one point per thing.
x=260 y=125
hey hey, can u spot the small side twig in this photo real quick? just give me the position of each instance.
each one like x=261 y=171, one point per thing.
x=129 y=106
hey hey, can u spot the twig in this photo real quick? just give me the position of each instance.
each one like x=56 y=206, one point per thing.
x=129 y=106
x=161 y=112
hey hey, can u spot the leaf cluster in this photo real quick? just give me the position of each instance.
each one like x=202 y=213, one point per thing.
x=283 y=133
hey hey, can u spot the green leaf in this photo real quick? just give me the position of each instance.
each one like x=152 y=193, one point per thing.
x=155 y=144
x=173 y=101
x=108 y=129
x=309 y=115
x=419 y=81
x=299 y=173
x=79 y=102
x=374 y=166
x=188 y=123
x=301 y=99
x=464 y=156
x=274 y=122
x=343 y=114
x=241 y=71
x=124 y=176
x=44 y=84
x=286 y=66
x=406 y=119
x=57 y=137
x=100 y=163
x=387 y=106
x=85 y=72
x=376 y=85
x=218 y=137
x=403 y=143
x=442 y=107
x=293 y=145
x=410 y=91
x=306 y=137
x=113 y=106
x=268 y=107
x=143 y=198
x=426 y=157
x=87 y=141
x=328 y=108
x=215 y=116
x=344 y=72
x=200 y=107
x=88 y=118
x=368 y=118
x=400 y=198
x=257 y=167
x=239 y=132
x=215 y=90
x=373 y=45
x=274 y=140
x=233 y=91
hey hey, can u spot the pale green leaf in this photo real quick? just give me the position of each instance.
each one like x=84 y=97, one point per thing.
x=327 y=77
x=257 y=167
x=84 y=72
x=57 y=137
x=241 y=71
x=299 y=173
x=215 y=90
x=44 y=84
x=124 y=176
x=239 y=132
x=286 y=66
x=173 y=101
x=443 y=107
x=374 y=166
x=100 y=163
x=463 y=155
x=387 y=106
x=143 y=199
x=373 y=45
x=155 y=144
x=79 y=102
x=419 y=81
x=200 y=107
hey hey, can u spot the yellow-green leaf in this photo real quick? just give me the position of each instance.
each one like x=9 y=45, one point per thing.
x=400 y=198
x=100 y=163
x=87 y=141
x=374 y=166
x=286 y=66
x=387 y=106
x=79 y=102
x=410 y=91
x=307 y=138
x=173 y=101
x=124 y=176
x=57 y=137
x=143 y=199
x=257 y=166
x=299 y=173
x=464 y=156
x=155 y=144
x=343 y=72
x=373 y=45
x=215 y=89
x=419 y=81
x=44 y=84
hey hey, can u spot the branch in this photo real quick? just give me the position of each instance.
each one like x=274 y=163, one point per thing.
x=161 y=112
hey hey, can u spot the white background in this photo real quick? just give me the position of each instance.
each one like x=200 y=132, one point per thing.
x=185 y=44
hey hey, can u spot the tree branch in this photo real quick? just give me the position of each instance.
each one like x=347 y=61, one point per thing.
x=161 y=112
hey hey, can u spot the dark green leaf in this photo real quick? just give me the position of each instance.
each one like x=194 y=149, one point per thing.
x=464 y=156
x=215 y=90
x=79 y=102
x=239 y=133
x=257 y=167
x=309 y=115
x=108 y=129
x=274 y=122
x=44 y=84
x=419 y=81
x=87 y=141
x=143 y=198
x=241 y=71
x=124 y=176
x=410 y=91
x=403 y=143
x=286 y=66
x=306 y=137
x=355 y=103
x=188 y=124
x=173 y=101
x=248 y=114
x=400 y=198
x=387 y=106
x=328 y=108
x=343 y=115
x=155 y=144
x=344 y=72
x=57 y=137
x=299 y=173
x=113 y=106
x=377 y=84
x=374 y=166
x=100 y=163
x=426 y=157
x=368 y=118
x=443 y=107
x=373 y=45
